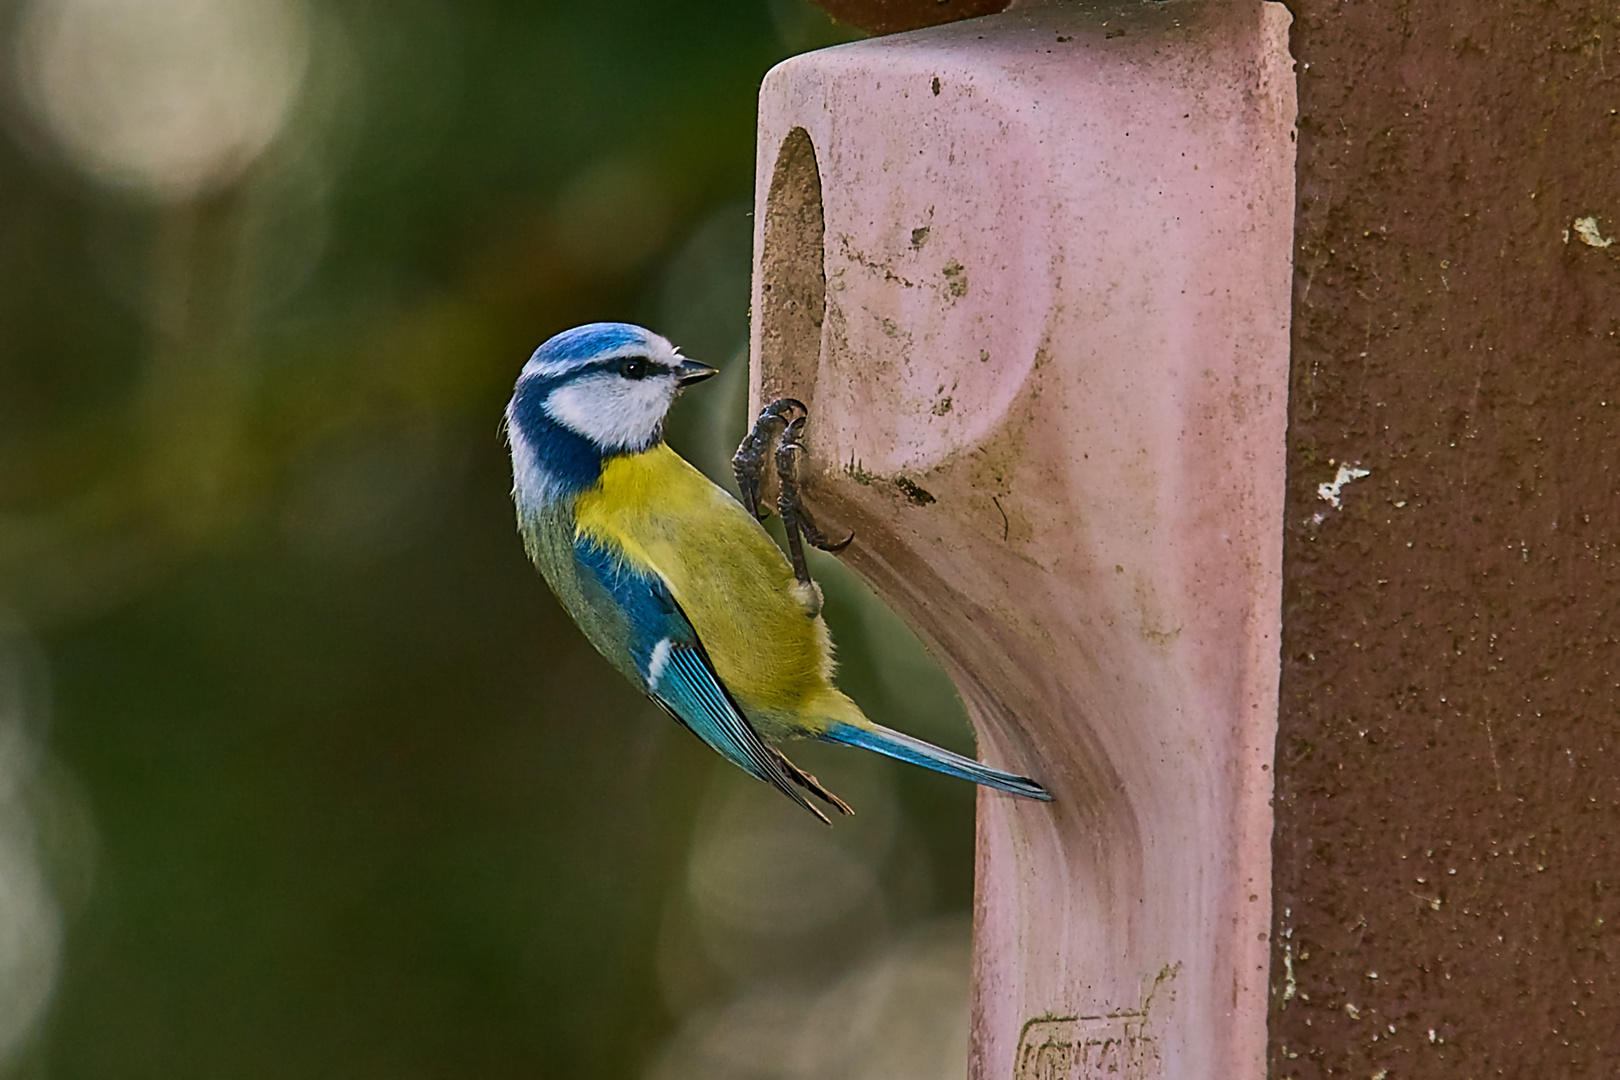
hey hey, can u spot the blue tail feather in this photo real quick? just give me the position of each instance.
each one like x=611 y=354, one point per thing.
x=903 y=747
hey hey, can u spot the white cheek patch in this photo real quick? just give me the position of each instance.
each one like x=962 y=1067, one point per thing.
x=530 y=480
x=613 y=412
x=533 y=485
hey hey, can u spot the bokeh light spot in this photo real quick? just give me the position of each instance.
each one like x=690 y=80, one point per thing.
x=30 y=919
x=167 y=97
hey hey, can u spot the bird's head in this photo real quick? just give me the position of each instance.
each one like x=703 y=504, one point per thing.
x=596 y=390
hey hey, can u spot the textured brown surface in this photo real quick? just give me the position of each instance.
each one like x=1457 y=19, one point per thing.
x=893 y=16
x=793 y=298
x=1448 y=801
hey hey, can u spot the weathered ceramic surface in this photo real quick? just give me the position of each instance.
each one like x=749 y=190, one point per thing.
x=1049 y=397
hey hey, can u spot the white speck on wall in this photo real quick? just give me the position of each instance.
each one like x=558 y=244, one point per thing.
x=1587 y=229
x=1331 y=490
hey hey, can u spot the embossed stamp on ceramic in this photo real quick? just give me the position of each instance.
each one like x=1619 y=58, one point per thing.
x=1116 y=1046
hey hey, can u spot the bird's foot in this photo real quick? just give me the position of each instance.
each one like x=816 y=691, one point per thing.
x=748 y=463
x=784 y=420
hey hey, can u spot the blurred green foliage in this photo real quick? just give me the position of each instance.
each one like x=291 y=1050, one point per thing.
x=326 y=785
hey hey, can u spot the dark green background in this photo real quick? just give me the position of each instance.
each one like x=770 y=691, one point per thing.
x=321 y=781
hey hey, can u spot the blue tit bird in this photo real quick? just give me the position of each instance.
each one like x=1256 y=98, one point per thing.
x=672 y=579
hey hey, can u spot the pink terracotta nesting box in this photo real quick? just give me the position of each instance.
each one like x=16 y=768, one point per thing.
x=1031 y=273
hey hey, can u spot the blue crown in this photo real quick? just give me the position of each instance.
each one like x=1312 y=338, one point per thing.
x=592 y=339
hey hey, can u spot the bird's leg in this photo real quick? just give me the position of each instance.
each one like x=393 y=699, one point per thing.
x=787 y=474
x=787 y=497
x=748 y=463
x=796 y=520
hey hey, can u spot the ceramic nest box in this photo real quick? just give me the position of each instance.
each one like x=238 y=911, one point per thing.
x=1031 y=273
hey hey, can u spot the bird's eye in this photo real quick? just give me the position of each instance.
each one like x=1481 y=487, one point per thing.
x=633 y=367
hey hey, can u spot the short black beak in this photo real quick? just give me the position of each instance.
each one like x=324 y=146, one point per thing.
x=691 y=372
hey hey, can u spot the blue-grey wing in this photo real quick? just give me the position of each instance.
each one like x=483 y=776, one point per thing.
x=675 y=671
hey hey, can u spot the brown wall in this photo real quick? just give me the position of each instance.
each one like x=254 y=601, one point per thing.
x=1448 y=762
x=892 y=16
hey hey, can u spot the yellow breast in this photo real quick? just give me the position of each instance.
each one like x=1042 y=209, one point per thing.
x=725 y=572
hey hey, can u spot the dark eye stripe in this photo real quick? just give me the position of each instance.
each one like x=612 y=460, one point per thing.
x=543 y=384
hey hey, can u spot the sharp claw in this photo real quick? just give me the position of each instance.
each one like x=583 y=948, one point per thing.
x=840 y=545
x=817 y=538
x=782 y=406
